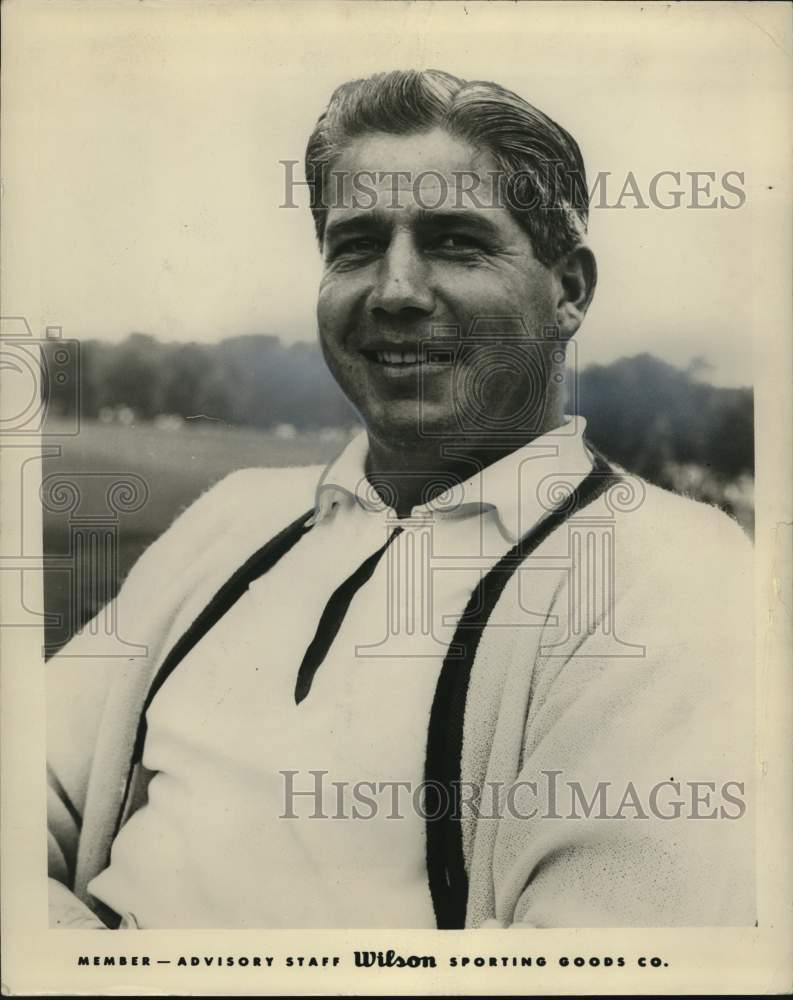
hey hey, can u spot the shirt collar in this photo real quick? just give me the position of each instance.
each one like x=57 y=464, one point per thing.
x=520 y=488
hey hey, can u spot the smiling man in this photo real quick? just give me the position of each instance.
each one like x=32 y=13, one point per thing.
x=493 y=246
x=468 y=675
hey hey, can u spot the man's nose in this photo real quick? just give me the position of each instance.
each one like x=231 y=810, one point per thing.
x=402 y=280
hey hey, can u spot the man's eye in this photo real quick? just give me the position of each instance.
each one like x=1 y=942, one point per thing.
x=360 y=246
x=458 y=242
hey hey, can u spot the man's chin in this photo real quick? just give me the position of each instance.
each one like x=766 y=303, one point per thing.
x=422 y=432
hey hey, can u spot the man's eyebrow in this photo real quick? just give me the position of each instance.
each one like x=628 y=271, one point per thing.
x=427 y=218
x=355 y=223
x=440 y=219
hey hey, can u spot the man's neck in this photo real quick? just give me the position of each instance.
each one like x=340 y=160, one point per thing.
x=410 y=474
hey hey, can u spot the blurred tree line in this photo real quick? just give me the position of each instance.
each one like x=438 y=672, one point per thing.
x=643 y=413
x=646 y=414
x=248 y=380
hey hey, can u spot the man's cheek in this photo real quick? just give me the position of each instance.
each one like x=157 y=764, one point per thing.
x=336 y=319
x=331 y=296
x=324 y=315
x=331 y=324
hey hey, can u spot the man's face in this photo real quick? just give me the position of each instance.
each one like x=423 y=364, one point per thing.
x=396 y=268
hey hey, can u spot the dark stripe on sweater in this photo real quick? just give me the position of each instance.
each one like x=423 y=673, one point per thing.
x=446 y=871
x=257 y=565
x=333 y=616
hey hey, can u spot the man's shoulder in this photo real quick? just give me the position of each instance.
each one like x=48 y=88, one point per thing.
x=675 y=518
x=255 y=485
x=677 y=542
x=259 y=494
x=228 y=521
x=256 y=478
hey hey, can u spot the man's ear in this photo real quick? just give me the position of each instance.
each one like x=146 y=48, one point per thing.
x=577 y=275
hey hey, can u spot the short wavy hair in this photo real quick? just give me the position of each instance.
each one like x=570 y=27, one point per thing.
x=541 y=173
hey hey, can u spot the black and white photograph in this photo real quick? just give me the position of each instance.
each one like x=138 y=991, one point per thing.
x=396 y=496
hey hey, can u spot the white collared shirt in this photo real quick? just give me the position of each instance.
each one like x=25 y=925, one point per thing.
x=227 y=741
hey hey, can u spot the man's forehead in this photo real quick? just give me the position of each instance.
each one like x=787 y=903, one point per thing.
x=429 y=170
x=433 y=150
x=429 y=178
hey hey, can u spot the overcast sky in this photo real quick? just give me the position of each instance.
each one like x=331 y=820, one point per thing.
x=142 y=141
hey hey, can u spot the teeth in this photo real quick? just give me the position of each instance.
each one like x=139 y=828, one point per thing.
x=397 y=357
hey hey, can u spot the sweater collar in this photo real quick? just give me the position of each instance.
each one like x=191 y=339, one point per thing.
x=519 y=488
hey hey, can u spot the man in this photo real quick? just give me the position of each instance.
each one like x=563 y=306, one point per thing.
x=470 y=674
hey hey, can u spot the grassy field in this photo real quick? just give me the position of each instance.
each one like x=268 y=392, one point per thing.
x=175 y=466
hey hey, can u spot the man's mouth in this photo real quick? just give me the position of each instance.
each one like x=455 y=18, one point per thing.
x=395 y=357
x=403 y=358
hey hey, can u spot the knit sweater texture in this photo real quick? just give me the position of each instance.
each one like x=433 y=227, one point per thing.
x=653 y=693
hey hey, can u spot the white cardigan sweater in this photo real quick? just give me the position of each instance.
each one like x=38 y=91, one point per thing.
x=676 y=704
